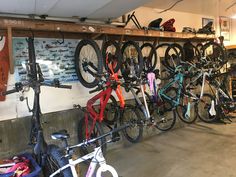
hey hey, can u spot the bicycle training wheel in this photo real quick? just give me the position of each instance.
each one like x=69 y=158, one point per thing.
x=149 y=57
x=203 y=108
x=130 y=115
x=111 y=55
x=55 y=159
x=95 y=130
x=132 y=64
x=88 y=62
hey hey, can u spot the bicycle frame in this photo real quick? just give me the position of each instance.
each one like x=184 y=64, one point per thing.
x=97 y=158
x=177 y=79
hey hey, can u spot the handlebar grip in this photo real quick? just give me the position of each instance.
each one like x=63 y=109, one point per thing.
x=9 y=92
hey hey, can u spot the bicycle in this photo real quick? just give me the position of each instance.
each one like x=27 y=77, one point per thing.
x=96 y=155
x=42 y=150
x=91 y=125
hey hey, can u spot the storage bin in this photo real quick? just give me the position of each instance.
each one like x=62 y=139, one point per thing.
x=35 y=168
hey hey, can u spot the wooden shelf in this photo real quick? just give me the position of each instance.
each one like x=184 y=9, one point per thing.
x=20 y=27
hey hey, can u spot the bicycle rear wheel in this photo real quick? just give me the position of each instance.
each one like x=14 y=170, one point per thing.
x=95 y=129
x=111 y=55
x=149 y=57
x=88 y=62
x=130 y=115
x=55 y=159
x=203 y=108
x=132 y=64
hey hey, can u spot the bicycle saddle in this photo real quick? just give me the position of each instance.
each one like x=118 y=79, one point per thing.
x=60 y=135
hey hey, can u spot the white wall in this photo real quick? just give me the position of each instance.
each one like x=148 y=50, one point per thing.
x=53 y=99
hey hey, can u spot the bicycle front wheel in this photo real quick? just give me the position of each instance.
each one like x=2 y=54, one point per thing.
x=95 y=129
x=54 y=161
x=88 y=62
x=131 y=115
x=105 y=171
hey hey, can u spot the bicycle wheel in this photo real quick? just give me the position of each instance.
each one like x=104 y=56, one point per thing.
x=203 y=108
x=215 y=55
x=88 y=62
x=132 y=64
x=164 y=112
x=173 y=55
x=95 y=130
x=130 y=115
x=111 y=111
x=149 y=57
x=186 y=110
x=111 y=55
x=55 y=159
x=163 y=117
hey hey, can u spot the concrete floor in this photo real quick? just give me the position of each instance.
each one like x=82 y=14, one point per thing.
x=199 y=150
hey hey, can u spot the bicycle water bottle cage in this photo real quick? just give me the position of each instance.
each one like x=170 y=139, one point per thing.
x=168 y=25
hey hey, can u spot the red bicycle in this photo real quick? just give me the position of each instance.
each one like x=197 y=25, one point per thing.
x=109 y=115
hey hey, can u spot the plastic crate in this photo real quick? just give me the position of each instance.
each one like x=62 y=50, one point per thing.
x=35 y=167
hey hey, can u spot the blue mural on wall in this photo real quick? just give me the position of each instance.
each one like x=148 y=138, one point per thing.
x=56 y=60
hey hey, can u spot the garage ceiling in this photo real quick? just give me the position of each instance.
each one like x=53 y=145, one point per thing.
x=68 y=8
x=103 y=9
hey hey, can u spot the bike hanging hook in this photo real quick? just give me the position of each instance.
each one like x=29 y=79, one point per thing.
x=63 y=37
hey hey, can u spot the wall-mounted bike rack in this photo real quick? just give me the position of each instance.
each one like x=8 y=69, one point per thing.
x=16 y=27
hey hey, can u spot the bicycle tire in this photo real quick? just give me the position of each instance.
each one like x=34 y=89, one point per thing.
x=203 y=110
x=173 y=60
x=165 y=113
x=150 y=59
x=97 y=131
x=55 y=160
x=81 y=62
x=107 y=168
x=111 y=112
x=138 y=63
x=218 y=56
x=131 y=115
x=117 y=56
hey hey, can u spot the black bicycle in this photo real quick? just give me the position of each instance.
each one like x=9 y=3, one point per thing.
x=44 y=153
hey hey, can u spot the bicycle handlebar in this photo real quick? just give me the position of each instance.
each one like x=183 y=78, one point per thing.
x=9 y=92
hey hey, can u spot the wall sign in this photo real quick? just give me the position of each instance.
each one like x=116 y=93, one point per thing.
x=56 y=60
x=225 y=27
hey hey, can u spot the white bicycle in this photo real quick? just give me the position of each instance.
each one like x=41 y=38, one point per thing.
x=64 y=166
